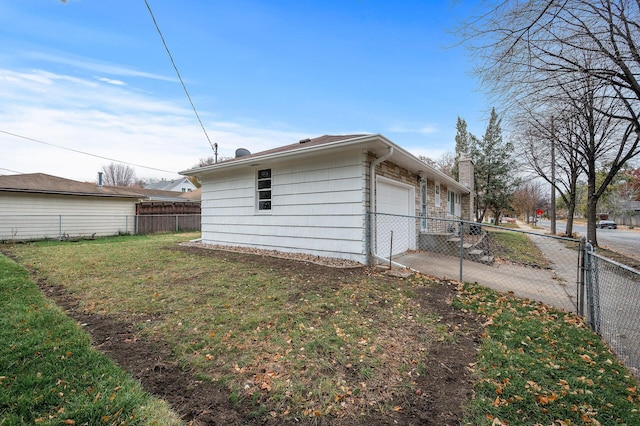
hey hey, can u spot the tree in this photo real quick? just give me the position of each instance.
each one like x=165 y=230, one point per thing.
x=519 y=43
x=443 y=164
x=207 y=161
x=537 y=134
x=581 y=52
x=630 y=189
x=494 y=178
x=527 y=199
x=463 y=144
x=118 y=174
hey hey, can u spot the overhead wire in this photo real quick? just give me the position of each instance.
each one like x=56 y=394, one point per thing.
x=12 y=171
x=175 y=67
x=84 y=153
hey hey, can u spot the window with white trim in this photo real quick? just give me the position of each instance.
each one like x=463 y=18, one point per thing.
x=423 y=205
x=452 y=202
x=263 y=189
x=437 y=196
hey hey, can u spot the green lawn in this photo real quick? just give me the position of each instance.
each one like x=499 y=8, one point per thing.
x=291 y=343
x=50 y=374
x=540 y=366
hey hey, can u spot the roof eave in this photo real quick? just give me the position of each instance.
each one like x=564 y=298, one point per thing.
x=303 y=150
x=85 y=194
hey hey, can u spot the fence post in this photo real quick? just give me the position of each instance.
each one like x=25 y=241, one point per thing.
x=591 y=282
x=60 y=227
x=461 y=234
x=581 y=276
x=177 y=227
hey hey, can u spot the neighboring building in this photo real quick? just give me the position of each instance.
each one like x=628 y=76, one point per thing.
x=177 y=185
x=313 y=197
x=37 y=206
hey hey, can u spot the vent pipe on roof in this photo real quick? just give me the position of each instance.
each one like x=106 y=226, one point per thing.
x=99 y=179
x=242 y=152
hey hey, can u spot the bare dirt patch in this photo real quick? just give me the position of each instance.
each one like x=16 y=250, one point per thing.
x=436 y=396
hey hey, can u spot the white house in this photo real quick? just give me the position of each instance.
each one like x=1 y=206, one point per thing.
x=37 y=206
x=178 y=185
x=314 y=197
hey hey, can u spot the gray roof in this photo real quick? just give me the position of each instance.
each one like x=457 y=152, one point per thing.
x=42 y=183
x=165 y=185
x=375 y=143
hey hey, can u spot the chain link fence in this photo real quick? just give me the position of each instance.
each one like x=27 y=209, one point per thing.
x=72 y=227
x=612 y=306
x=559 y=272
x=523 y=261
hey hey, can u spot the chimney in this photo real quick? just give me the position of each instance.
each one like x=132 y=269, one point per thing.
x=466 y=171
x=466 y=176
x=99 y=179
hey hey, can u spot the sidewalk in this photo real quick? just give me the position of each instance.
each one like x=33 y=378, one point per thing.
x=555 y=286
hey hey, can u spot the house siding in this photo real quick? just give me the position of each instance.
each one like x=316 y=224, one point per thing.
x=317 y=207
x=400 y=174
x=27 y=216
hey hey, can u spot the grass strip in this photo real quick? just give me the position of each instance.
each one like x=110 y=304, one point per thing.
x=50 y=374
x=516 y=247
x=292 y=342
x=538 y=365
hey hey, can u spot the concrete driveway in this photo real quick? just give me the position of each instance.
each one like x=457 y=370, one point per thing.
x=555 y=286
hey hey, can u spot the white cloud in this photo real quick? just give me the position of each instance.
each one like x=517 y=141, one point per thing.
x=424 y=130
x=110 y=121
x=112 y=81
x=93 y=65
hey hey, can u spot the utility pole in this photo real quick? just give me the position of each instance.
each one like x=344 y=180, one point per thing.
x=553 y=178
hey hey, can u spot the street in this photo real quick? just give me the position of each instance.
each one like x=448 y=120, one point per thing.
x=624 y=241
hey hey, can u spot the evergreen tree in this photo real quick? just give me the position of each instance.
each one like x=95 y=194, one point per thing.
x=495 y=181
x=463 y=144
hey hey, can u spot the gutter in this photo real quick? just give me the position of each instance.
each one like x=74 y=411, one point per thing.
x=302 y=150
x=372 y=205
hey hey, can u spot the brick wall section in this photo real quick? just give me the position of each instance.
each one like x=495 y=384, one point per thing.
x=393 y=171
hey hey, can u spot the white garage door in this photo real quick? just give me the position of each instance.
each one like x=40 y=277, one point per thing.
x=396 y=203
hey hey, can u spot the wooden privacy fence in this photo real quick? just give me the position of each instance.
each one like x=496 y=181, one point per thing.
x=165 y=216
x=151 y=224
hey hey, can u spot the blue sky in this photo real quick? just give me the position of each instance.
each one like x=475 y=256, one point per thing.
x=93 y=76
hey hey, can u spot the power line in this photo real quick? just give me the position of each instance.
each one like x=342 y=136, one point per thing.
x=12 y=171
x=175 y=67
x=84 y=153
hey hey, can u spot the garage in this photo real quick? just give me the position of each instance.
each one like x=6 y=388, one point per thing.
x=395 y=203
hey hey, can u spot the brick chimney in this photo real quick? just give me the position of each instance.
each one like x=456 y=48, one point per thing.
x=466 y=171
x=466 y=176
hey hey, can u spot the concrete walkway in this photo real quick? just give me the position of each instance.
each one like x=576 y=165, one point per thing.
x=555 y=286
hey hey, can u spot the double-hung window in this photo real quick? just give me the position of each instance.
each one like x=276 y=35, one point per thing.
x=263 y=189
x=423 y=205
x=437 y=194
x=452 y=203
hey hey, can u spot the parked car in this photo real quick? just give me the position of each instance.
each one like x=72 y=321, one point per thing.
x=609 y=224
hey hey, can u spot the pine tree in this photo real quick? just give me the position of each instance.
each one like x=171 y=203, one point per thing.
x=495 y=181
x=462 y=144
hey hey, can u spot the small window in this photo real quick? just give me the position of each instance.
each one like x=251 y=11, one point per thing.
x=264 y=189
x=423 y=205
x=452 y=203
x=437 y=191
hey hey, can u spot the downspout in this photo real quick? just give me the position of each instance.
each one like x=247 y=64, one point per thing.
x=372 y=203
